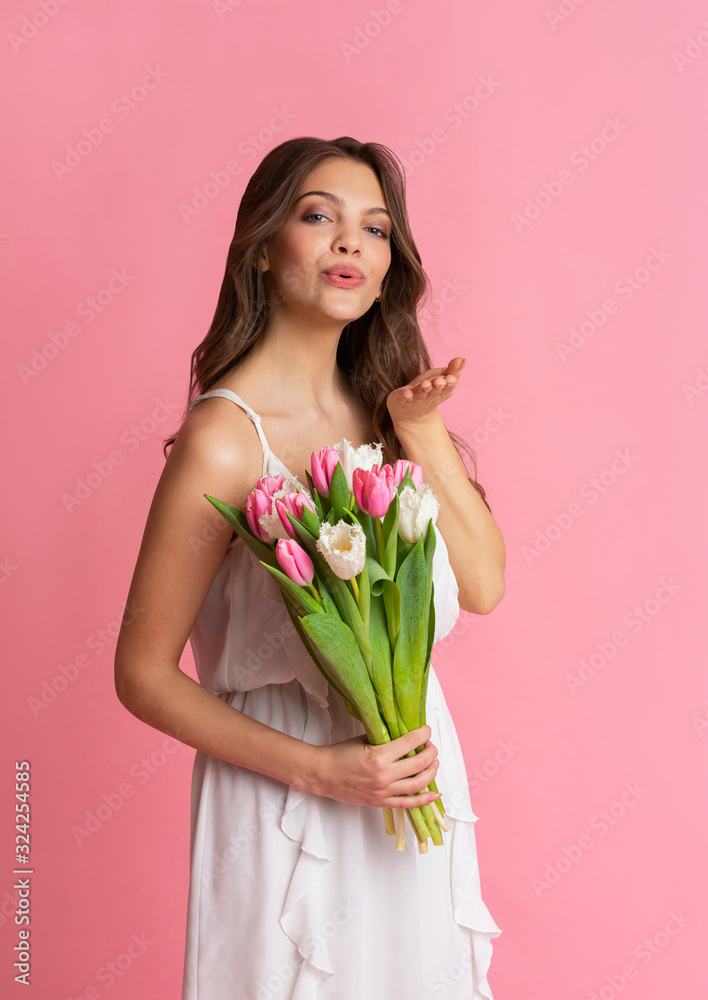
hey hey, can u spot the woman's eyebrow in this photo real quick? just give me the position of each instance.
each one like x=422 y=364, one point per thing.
x=336 y=200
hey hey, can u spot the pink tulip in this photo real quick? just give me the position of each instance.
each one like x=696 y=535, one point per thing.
x=400 y=468
x=374 y=489
x=294 y=561
x=257 y=503
x=292 y=503
x=269 y=484
x=323 y=463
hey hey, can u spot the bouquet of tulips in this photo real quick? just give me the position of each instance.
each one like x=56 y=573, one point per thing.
x=353 y=558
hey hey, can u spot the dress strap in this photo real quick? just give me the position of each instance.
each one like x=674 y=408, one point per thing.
x=228 y=394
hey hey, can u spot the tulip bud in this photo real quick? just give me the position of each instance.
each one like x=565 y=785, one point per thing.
x=257 y=503
x=294 y=561
x=323 y=463
x=269 y=485
x=400 y=468
x=291 y=503
x=374 y=489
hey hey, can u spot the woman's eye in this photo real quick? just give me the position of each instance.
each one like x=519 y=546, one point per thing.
x=381 y=233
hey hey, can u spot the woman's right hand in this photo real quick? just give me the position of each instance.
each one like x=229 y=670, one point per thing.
x=357 y=772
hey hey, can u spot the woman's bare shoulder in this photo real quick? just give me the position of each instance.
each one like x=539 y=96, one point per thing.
x=216 y=453
x=218 y=436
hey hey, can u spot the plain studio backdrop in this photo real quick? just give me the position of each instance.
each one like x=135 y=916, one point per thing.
x=555 y=154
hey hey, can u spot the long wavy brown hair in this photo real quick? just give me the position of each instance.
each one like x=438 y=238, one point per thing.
x=381 y=350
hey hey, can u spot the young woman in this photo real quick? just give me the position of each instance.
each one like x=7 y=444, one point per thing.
x=296 y=891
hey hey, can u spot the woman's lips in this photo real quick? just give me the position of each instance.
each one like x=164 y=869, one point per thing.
x=339 y=282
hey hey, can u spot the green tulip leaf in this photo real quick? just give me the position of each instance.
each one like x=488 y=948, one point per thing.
x=315 y=496
x=312 y=649
x=297 y=593
x=390 y=534
x=338 y=493
x=409 y=657
x=383 y=585
x=338 y=646
x=382 y=661
x=239 y=522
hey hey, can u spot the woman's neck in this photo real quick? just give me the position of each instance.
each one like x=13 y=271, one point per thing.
x=296 y=366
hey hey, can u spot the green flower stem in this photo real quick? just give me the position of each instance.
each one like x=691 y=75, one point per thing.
x=315 y=593
x=380 y=539
x=435 y=831
x=389 y=822
x=364 y=584
x=418 y=820
x=422 y=817
x=432 y=787
x=355 y=588
x=415 y=828
x=438 y=802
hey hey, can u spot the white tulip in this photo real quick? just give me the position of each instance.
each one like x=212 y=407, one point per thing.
x=343 y=547
x=416 y=509
x=366 y=456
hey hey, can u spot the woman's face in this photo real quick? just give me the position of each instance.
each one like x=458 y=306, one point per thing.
x=343 y=226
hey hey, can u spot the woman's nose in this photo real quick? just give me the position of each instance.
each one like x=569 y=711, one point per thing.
x=347 y=239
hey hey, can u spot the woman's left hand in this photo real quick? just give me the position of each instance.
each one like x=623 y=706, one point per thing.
x=421 y=397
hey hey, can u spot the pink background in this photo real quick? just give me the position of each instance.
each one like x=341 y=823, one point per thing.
x=531 y=243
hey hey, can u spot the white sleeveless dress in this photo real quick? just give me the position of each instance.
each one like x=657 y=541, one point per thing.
x=296 y=896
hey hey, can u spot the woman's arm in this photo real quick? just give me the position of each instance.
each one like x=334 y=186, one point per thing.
x=217 y=452
x=474 y=541
x=472 y=536
x=175 y=568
